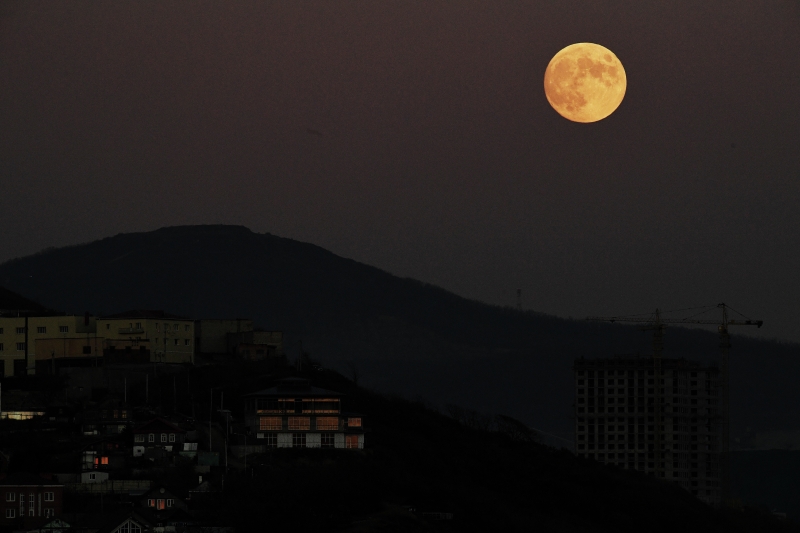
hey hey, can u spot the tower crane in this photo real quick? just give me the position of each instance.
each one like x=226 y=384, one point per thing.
x=657 y=324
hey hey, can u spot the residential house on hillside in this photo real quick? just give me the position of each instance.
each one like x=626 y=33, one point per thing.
x=29 y=499
x=169 y=338
x=108 y=418
x=161 y=498
x=157 y=433
x=294 y=414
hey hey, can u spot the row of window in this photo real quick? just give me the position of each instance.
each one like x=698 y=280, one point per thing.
x=47 y=512
x=299 y=440
x=160 y=504
x=151 y=437
x=20 y=347
x=629 y=373
x=301 y=423
x=39 y=329
x=186 y=342
x=12 y=497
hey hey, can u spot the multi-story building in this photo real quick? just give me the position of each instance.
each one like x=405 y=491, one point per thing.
x=212 y=334
x=671 y=429
x=296 y=415
x=29 y=499
x=169 y=338
x=19 y=336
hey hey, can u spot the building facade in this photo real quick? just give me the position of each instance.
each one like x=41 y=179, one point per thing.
x=294 y=414
x=19 y=336
x=671 y=429
x=212 y=334
x=167 y=338
x=29 y=499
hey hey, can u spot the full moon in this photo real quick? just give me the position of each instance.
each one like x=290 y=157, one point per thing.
x=585 y=82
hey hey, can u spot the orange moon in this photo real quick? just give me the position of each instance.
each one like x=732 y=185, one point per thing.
x=585 y=82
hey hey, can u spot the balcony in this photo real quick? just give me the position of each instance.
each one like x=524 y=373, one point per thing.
x=130 y=331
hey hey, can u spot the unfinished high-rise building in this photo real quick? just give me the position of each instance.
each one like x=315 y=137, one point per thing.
x=671 y=429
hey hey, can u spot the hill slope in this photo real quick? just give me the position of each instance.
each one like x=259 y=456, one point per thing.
x=399 y=334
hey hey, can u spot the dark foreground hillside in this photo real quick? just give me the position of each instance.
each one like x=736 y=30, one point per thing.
x=490 y=481
x=397 y=334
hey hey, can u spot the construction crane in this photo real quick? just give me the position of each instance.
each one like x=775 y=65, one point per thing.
x=657 y=324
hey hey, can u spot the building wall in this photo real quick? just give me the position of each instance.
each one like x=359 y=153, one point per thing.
x=170 y=340
x=616 y=413
x=47 y=348
x=212 y=334
x=13 y=336
x=35 y=496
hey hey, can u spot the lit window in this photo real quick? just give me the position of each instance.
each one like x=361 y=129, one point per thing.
x=299 y=422
x=160 y=504
x=172 y=437
x=124 y=414
x=354 y=422
x=327 y=423
x=116 y=413
x=351 y=441
x=151 y=503
x=269 y=423
x=104 y=460
x=48 y=496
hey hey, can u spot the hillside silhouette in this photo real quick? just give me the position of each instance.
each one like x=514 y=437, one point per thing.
x=391 y=333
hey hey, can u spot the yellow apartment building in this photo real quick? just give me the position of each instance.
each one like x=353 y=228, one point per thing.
x=18 y=336
x=170 y=338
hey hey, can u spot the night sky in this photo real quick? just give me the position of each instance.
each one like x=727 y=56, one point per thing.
x=416 y=137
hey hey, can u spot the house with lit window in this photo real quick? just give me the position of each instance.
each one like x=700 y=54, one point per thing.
x=157 y=434
x=109 y=418
x=161 y=498
x=293 y=414
x=29 y=499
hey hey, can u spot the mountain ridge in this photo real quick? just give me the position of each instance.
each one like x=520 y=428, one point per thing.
x=396 y=334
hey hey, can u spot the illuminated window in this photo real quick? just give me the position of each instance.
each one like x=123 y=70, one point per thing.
x=104 y=460
x=124 y=414
x=161 y=504
x=299 y=423
x=328 y=440
x=354 y=422
x=298 y=440
x=269 y=423
x=151 y=503
x=351 y=441
x=116 y=413
x=327 y=423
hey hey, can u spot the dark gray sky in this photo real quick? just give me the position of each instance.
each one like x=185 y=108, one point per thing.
x=440 y=157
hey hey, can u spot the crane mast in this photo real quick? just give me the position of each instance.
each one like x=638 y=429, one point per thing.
x=657 y=324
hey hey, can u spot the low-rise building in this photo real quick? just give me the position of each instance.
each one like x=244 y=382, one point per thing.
x=211 y=335
x=294 y=414
x=29 y=499
x=168 y=338
x=157 y=433
x=19 y=336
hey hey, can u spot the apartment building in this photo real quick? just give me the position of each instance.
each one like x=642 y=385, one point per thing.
x=29 y=499
x=671 y=429
x=168 y=338
x=19 y=336
x=294 y=414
